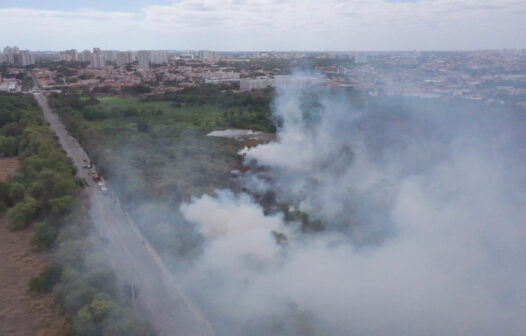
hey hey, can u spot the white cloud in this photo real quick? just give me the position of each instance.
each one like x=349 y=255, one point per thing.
x=89 y=14
x=289 y=24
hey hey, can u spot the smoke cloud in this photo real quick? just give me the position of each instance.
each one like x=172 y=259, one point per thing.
x=422 y=204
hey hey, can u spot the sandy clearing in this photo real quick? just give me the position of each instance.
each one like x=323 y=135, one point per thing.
x=24 y=313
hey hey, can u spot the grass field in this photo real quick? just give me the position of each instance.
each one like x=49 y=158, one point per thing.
x=174 y=160
x=154 y=168
x=171 y=159
x=163 y=117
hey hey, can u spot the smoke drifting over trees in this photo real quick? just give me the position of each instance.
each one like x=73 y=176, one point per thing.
x=422 y=206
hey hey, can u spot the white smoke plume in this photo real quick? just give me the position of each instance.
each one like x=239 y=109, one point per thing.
x=425 y=224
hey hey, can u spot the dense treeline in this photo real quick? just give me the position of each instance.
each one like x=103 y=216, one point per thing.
x=44 y=193
x=73 y=112
x=136 y=89
x=221 y=95
x=241 y=109
x=44 y=188
x=275 y=66
x=280 y=66
x=85 y=286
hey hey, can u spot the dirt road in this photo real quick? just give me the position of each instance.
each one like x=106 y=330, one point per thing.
x=134 y=259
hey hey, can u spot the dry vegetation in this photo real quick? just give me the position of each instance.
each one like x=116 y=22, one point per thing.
x=23 y=312
x=8 y=166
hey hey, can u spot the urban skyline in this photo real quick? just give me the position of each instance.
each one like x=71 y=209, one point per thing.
x=224 y=51
x=432 y=74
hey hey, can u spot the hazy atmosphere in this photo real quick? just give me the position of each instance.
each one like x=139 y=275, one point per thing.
x=265 y=24
x=263 y=168
x=424 y=213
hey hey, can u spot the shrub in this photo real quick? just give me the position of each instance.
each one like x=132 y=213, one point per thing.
x=142 y=125
x=8 y=145
x=44 y=235
x=60 y=206
x=83 y=324
x=46 y=280
x=16 y=192
x=131 y=112
x=23 y=214
x=4 y=192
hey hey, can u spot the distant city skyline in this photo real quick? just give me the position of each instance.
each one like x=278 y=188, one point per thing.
x=242 y=25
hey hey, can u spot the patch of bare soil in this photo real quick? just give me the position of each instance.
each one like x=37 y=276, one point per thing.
x=8 y=166
x=24 y=313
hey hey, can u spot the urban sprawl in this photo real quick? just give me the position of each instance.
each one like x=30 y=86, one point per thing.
x=490 y=76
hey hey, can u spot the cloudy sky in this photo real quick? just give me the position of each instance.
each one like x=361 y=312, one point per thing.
x=264 y=24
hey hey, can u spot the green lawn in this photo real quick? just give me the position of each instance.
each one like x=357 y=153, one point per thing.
x=172 y=160
x=202 y=118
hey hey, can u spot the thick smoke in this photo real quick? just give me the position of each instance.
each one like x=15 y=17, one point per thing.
x=423 y=206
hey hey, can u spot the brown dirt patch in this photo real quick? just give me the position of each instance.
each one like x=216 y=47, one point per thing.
x=22 y=312
x=8 y=166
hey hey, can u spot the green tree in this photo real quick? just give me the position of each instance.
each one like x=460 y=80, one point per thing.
x=61 y=205
x=8 y=145
x=126 y=322
x=12 y=129
x=83 y=324
x=4 y=192
x=47 y=279
x=44 y=235
x=23 y=214
x=51 y=184
x=100 y=307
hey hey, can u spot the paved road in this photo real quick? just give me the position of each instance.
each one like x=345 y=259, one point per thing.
x=158 y=295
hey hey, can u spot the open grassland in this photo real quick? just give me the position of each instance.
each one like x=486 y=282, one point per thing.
x=119 y=114
x=173 y=158
x=157 y=147
x=198 y=118
x=155 y=153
